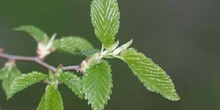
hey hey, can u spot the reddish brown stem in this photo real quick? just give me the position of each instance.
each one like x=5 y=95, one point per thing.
x=36 y=60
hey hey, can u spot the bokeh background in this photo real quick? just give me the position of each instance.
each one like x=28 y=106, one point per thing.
x=182 y=36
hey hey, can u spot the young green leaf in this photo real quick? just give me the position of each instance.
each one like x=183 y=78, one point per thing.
x=3 y=73
x=53 y=99
x=35 y=32
x=89 y=52
x=105 y=19
x=10 y=76
x=97 y=84
x=41 y=105
x=24 y=81
x=73 y=82
x=72 y=44
x=150 y=74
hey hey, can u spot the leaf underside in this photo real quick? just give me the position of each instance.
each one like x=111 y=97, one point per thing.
x=89 y=52
x=9 y=77
x=73 y=82
x=150 y=74
x=72 y=44
x=97 y=84
x=105 y=20
x=35 y=32
x=24 y=81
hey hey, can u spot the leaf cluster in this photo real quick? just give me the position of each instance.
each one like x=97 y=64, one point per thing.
x=96 y=83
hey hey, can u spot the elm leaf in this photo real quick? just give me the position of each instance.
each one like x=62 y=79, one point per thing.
x=35 y=32
x=97 y=84
x=105 y=20
x=72 y=44
x=150 y=74
x=25 y=80
x=72 y=81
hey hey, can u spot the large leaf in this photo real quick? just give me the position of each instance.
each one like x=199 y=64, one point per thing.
x=72 y=45
x=9 y=76
x=72 y=81
x=150 y=74
x=97 y=84
x=53 y=99
x=105 y=19
x=24 y=81
x=35 y=32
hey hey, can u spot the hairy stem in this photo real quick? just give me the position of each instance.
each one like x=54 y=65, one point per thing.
x=36 y=60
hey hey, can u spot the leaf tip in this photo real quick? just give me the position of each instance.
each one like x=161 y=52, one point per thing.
x=175 y=98
x=9 y=96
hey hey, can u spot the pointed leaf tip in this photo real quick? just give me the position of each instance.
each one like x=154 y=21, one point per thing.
x=150 y=74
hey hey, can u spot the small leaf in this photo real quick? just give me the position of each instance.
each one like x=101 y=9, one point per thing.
x=150 y=74
x=3 y=74
x=41 y=105
x=72 y=44
x=89 y=52
x=53 y=99
x=72 y=81
x=24 y=81
x=10 y=76
x=105 y=19
x=97 y=84
x=35 y=32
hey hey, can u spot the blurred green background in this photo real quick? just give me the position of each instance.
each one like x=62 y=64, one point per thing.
x=182 y=36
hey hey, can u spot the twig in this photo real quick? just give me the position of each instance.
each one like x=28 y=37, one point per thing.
x=71 y=68
x=35 y=59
